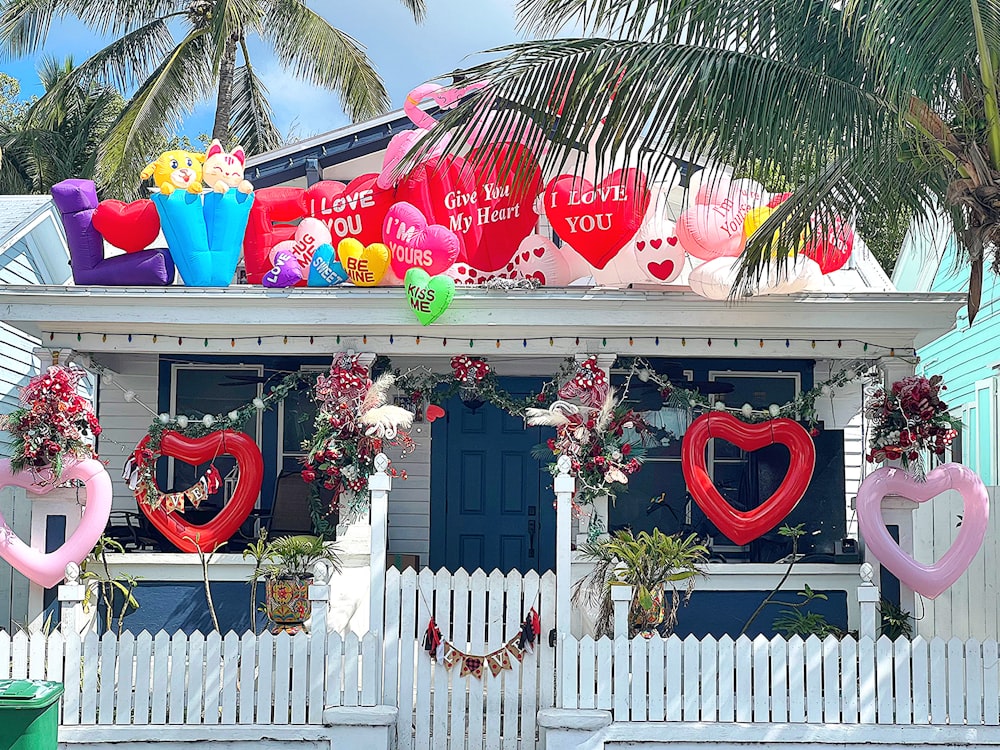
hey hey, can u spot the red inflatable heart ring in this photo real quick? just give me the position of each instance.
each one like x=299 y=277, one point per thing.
x=745 y=526
x=189 y=537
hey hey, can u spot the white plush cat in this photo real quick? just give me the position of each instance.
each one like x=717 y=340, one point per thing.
x=224 y=170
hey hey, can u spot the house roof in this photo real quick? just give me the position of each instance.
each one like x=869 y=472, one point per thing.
x=35 y=217
x=525 y=321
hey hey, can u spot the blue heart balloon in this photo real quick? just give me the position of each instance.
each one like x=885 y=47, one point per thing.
x=325 y=270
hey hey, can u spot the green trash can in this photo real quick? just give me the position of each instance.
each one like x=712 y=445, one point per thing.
x=29 y=714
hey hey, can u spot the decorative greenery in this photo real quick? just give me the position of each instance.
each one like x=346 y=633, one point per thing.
x=909 y=418
x=648 y=562
x=896 y=621
x=797 y=621
x=291 y=556
x=56 y=422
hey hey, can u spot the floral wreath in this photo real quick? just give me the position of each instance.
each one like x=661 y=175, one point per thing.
x=55 y=422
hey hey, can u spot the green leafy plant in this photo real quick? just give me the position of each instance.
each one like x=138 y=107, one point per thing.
x=95 y=574
x=256 y=551
x=797 y=621
x=292 y=556
x=793 y=533
x=896 y=621
x=650 y=562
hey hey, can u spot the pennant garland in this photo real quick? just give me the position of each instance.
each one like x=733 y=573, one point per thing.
x=196 y=494
x=444 y=652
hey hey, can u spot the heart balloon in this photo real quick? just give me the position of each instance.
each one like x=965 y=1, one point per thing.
x=365 y=266
x=286 y=272
x=714 y=226
x=356 y=210
x=429 y=296
x=597 y=221
x=188 y=537
x=929 y=580
x=833 y=250
x=745 y=526
x=49 y=568
x=309 y=234
x=128 y=226
x=413 y=243
x=325 y=269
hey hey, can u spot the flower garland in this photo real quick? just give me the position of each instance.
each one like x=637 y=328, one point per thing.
x=354 y=423
x=909 y=418
x=55 y=423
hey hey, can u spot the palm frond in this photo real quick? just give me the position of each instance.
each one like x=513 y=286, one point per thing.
x=417 y=7
x=252 y=123
x=325 y=56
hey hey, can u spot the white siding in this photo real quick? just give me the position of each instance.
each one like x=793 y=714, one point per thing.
x=409 y=503
x=855 y=469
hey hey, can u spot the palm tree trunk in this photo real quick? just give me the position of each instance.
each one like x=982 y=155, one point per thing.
x=224 y=101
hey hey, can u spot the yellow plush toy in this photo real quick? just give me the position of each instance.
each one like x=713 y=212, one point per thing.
x=175 y=170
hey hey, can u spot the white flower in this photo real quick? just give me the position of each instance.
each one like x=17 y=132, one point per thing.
x=182 y=421
x=233 y=415
x=164 y=418
x=616 y=456
x=208 y=420
x=720 y=406
x=747 y=410
x=774 y=410
x=258 y=403
x=643 y=375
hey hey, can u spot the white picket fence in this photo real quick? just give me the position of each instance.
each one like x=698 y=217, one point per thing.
x=777 y=681
x=196 y=679
x=478 y=613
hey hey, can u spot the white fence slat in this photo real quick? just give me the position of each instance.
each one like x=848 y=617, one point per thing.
x=692 y=678
x=991 y=683
x=973 y=683
x=478 y=643
x=54 y=663
x=143 y=677
x=709 y=680
x=370 y=655
x=866 y=681
x=161 y=676
x=512 y=680
x=247 y=683
x=407 y=633
x=814 y=680
x=73 y=674
x=6 y=660
x=639 y=669
x=546 y=657
x=230 y=674
x=265 y=679
x=391 y=638
x=213 y=678
x=744 y=679
x=352 y=673
x=282 y=665
x=605 y=673
x=779 y=679
x=300 y=676
x=727 y=679
x=124 y=680
x=621 y=678
x=529 y=669
x=849 y=680
x=460 y=635
x=901 y=659
x=441 y=602
x=316 y=677
x=831 y=680
x=587 y=650
x=883 y=684
x=334 y=669
x=956 y=681
x=921 y=696
x=178 y=676
x=19 y=656
x=796 y=680
x=195 y=679
x=91 y=652
x=106 y=673
x=938 y=680
x=36 y=656
x=761 y=679
x=656 y=668
x=495 y=636
x=422 y=710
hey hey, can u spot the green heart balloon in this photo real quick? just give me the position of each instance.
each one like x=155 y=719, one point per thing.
x=429 y=296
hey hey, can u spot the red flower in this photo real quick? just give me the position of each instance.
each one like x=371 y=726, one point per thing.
x=308 y=475
x=626 y=449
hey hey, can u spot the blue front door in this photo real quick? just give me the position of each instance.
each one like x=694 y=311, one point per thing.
x=491 y=500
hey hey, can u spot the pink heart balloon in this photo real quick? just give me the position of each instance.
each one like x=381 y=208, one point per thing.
x=48 y=569
x=929 y=580
x=309 y=234
x=413 y=243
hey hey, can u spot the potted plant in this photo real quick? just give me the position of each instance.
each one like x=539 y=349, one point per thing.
x=650 y=563
x=286 y=566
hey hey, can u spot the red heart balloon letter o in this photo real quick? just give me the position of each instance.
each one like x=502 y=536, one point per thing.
x=189 y=537
x=740 y=526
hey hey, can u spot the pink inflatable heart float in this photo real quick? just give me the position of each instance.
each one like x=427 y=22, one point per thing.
x=48 y=569
x=416 y=244
x=713 y=226
x=929 y=580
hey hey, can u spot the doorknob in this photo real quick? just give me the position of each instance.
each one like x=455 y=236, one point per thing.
x=532 y=528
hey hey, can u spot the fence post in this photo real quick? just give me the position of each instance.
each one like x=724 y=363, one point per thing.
x=621 y=602
x=71 y=595
x=564 y=485
x=868 y=598
x=319 y=598
x=379 y=485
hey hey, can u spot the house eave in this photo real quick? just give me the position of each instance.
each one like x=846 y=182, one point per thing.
x=834 y=324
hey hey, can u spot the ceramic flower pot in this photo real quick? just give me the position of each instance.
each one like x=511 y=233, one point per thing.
x=646 y=620
x=288 y=605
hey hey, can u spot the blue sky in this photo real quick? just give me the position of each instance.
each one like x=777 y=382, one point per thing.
x=406 y=55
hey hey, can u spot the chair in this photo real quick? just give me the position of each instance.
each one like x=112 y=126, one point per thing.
x=289 y=514
x=132 y=530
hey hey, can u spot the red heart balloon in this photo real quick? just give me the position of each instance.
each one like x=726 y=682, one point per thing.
x=740 y=526
x=188 y=537
x=598 y=221
x=356 y=210
x=128 y=226
x=434 y=412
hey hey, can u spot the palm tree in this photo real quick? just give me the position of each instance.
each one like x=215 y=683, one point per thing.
x=59 y=135
x=881 y=107
x=174 y=53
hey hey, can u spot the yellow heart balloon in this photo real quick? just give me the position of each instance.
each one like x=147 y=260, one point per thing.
x=755 y=219
x=365 y=266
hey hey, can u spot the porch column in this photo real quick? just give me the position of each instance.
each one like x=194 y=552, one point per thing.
x=599 y=509
x=897 y=511
x=565 y=484
x=379 y=485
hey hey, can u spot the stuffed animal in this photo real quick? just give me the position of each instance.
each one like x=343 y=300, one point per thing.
x=176 y=170
x=225 y=170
